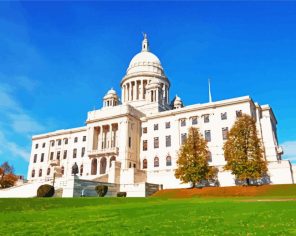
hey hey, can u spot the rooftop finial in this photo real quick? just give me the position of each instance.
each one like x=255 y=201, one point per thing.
x=145 y=43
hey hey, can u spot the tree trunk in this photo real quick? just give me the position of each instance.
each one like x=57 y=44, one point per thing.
x=248 y=181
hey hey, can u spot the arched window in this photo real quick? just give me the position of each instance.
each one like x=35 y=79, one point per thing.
x=209 y=156
x=145 y=164
x=103 y=165
x=168 y=161
x=40 y=172
x=48 y=171
x=81 y=169
x=94 y=166
x=63 y=170
x=33 y=173
x=156 y=162
x=113 y=158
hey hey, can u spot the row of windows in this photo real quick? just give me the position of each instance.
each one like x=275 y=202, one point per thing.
x=168 y=141
x=194 y=121
x=156 y=162
x=59 y=142
x=33 y=173
x=59 y=155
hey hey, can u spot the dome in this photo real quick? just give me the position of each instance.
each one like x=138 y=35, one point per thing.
x=110 y=94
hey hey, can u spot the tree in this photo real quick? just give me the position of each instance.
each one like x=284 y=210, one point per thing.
x=243 y=151
x=193 y=158
x=7 y=178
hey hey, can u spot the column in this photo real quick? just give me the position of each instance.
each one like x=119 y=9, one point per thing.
x=142 y=90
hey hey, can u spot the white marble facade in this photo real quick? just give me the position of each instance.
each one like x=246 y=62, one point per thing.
x=136 y=138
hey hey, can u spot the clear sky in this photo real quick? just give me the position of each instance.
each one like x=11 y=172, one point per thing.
x=58 y=59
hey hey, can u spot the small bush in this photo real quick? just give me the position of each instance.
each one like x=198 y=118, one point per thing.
x=121 y=194
x=45 y=190
x=101 y=190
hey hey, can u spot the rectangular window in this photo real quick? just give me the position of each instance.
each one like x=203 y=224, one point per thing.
x=183 y=122
x=145 y=145
x=183 y=138
x=51 y=156
x=84 y=138
x=239 y=113
x=144 y=130
x=42 y=157
x=58 y=155
x=168 y=141
x=65 y=154
x=82 y=152
x=155 y=126
x=43 y=145
x=36 y=145
x=194 y=120
x=206 y=118
x=52 y=143
x=59 y=142
x=167 y=125
x=224 y=116
x=74 y=153
x=208 y=135
x=66 y=141
x=156 y=142
x=75 y=139
x=129 y=142
x=225 y=133
x=35 y=158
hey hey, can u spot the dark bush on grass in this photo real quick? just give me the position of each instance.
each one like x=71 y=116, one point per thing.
x=101 y=190
x=121 y=194
x=45 y=190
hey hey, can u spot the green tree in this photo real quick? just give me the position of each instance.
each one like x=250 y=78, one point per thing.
x=243 y=151
x=7 y=178
x=193 y=158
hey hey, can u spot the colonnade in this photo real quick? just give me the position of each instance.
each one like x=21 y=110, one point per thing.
x=105 y=137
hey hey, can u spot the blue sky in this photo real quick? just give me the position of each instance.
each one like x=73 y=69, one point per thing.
x=58 y=59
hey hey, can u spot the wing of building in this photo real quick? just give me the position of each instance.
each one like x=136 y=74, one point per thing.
x=133 y=142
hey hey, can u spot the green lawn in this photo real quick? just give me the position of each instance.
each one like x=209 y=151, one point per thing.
x=146 y=216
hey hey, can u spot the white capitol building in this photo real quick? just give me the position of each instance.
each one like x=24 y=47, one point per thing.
x=134 y=140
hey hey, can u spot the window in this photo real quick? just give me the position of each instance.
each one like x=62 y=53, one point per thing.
x=43 y=145
x=225 y=133
x=206 y=118
x=145 y=145
x=210 y=157
x=58 y=155
x=59 y=142
x=52 y=143
x=40 y=173
x=168 y=161
x=145 y=130
x=65 y=154
x=63 y=170
x=74 y=152
x=239 y=113
x=84 y=138
x=168 y=140
x=183 y=122
x=156 y=162
x=42 y=157
x=145 y=164
x=208 y=135
x=33 y=173
x=155 y=126
x=35 y=158
x=36 y=145
x=156 y=142
x=75 y=140
x=81 y=169
x=48 y=171
x=51 y=156
x=224 y=116
x=194 y=120
x=82 y=152
x=66 y=141
x=167 y=125
x=130 y=142
x=183 y=138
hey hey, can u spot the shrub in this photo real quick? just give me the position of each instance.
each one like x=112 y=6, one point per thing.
x=121 y=194
x=45 y=190
x=101 y=190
